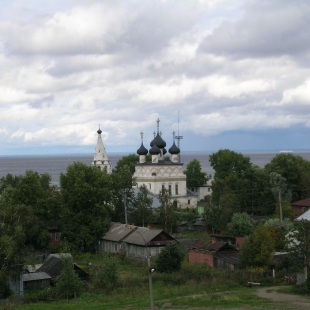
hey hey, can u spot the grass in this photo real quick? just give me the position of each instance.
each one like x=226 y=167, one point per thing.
x=193 y=286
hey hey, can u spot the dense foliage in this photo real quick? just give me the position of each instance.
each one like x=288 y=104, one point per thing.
x=141 y=210
x=257 y=249
x=241 y=225
x=194 y=176
x=87 y=201
x=170 y=258
x=168 y=216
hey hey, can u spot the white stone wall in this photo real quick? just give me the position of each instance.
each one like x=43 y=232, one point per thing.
x=154 y=177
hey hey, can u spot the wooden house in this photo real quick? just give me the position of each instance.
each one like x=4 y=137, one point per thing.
x=135 y=242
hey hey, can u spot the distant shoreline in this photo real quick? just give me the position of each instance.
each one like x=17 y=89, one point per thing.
x=128 y=153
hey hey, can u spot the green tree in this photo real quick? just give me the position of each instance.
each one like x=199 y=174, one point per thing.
x=226 y=162
x=86 y=194
x=194 y=175
x=212 y=217
x=142 y=206
x=257 y=249
x=241 y=225
x=234 y=181
x=14 y=222
x=291 y=167
x=167 y=215
x=278 y=231
x=305 y=179
x=170 y=258
x=122 y=191
x=298 y=244
x=128 y=161
x=34 y=191
x=69 y=284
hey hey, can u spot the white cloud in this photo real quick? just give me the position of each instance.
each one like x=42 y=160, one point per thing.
x=225 y=65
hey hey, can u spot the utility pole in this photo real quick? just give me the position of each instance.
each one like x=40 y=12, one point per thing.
x=280 y=205
x=125 y=206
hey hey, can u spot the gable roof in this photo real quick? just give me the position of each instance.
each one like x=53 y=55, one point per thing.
x=302 y=203
x=142 y=236
x=52 y=266
x=216 y=246
x=135 y=235
x=232 y=258
x=118 y=232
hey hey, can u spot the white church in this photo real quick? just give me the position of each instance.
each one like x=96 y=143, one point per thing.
x=156 y=174
x=159 y=173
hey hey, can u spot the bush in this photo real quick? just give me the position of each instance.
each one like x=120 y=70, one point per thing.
x=107 y=277
x=170 y=258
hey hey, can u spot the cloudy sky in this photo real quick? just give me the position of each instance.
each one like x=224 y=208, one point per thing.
x=235 y=73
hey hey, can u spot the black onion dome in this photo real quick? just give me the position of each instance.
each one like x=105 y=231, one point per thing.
x=154 y=150
x=99 y=131
x=158 y=141
x=142 y=150
x=164 y=151
x=174 y=149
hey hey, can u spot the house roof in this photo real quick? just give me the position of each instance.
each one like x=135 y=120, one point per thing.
x=304 y=216
x=118 y=232
x=35 y=276
x=32 y=268
x=142 y=235
x=229 y=258
x=216 y=246
x=52 y=266
x=134 y=235
x=301 y=203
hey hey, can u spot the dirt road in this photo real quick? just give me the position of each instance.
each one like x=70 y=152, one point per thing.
x=273 y=294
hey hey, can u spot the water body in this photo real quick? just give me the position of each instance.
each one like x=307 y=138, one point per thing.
x=54 y=165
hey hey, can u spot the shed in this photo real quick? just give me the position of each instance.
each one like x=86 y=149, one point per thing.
x=36 y=280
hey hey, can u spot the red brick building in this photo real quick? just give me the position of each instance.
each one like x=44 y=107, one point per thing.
x=300 y=207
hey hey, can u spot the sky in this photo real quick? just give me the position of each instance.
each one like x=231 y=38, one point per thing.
x=220 y=73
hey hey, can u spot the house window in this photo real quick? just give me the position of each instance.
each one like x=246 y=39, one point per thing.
x=188 y=202
x=57 y=236
x=209 y=189
x=169 y=189
x=115 y=247
x=177 y=189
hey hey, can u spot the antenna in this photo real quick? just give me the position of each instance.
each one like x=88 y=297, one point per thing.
x=178 y=137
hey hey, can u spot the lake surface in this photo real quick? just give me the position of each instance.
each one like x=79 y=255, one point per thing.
x=54 y=165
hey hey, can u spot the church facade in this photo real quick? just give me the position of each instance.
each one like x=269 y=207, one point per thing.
x=159 y=173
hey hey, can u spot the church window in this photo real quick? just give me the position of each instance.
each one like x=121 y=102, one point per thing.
x=177 y=189
x=163 y=187
x=188 y=202
x=154 y=174
x=169 y=189
x=150 y=185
